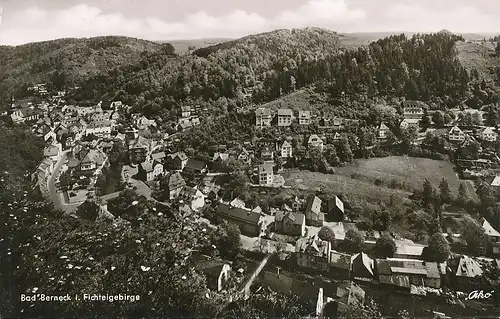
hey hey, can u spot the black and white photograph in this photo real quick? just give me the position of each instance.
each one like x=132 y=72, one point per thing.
x=250 y=159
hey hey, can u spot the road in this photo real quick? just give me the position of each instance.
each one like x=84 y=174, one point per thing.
x=246 y=289
x=55 y=196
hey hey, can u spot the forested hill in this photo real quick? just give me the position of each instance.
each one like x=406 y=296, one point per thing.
x=69 y=61
x=159 y=82
x=424 y=67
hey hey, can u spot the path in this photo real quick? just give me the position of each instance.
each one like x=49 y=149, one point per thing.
x=55 y=196
x=246 y=289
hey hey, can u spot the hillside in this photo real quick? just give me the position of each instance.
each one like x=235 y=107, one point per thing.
x=70 y=60
x=227 y=70
x=480 y=55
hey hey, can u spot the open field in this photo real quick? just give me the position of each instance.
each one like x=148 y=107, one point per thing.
x=358 y=179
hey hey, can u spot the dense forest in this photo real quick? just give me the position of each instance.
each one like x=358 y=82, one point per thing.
x=423 y=67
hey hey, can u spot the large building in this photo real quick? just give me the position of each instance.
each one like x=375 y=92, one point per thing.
x=284 y=117
x=412 y=110
x=263 y=117
x=249 y=222
x=266 y=175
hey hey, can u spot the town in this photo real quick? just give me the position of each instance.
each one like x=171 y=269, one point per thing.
x=297 y=240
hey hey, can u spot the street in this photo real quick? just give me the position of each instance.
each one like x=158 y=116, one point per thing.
x=55 y=196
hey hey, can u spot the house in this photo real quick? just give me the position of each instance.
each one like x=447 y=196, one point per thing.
x=263 y=117
x=193 y=197
x=493 y=235
x=315 y=141
x=464 y=272
x=314 y=216
x=340 y=264
x=286 y=149
x=337 y=137
x=362 y=267
x=496 y=181
x=335 y=209
x=412 y=110
x=456 y=134
x=304 y=117
x=216 y=272
x=313 y=253
x=138 y=149
x=284 y=117
x=249 y=223
x=143 y=122
x=45 y=168
x=346 y=295
x=101 y=129
x=220 y=157
x=245 y=156
x=407 y=123
x=186 y=111
x=288 y=223
x=297 y=204
x=177 y=161
x=266 y=174
x=383 y=130
x=267 y=154
x=158 y=157
x=151 y=170
x=408 y=250
x=25 y=114
x=489 y=134
x=173 y=184
x=93 y=160
x=195 y=167
x=417 y=272
x=53 y=152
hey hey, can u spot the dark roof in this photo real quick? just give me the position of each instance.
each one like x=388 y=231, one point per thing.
x=297 y=218
x=195 y=165
x=238 y=214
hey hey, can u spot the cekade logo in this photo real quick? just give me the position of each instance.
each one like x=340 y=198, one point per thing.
x=479 y=294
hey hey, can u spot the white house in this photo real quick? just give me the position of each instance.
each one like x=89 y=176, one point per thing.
x=407 y=123
x=102 y=128
x=286 y=149
x=53 y=152
x=315 y=141
x=383 y=130
x=489 y=134
x=456 y=134
x=152 y=170
x=266 y=174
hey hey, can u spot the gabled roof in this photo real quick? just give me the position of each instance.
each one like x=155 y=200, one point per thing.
x=158 y=156
x=362 y=265
x=488 y=130
x=181 y=155
x=147 y=166
x=238 y=214
x=50 y=151
x=285 y=112
x=468 y=267
x=221 y=156
x=262 y=112
x=314 y=138
x=296 y=218
x=139 y=142
x=455 y=130
x=335 y=202
x=266 y=168
x=286 y=144
x=314 y=204
x=488 y=229
x=175 y=180
x=383 y=127
x=94 y=156
x=195 y=165
x=313 y=246
x=305 y=114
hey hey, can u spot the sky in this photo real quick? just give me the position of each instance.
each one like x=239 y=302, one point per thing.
x=25 y=21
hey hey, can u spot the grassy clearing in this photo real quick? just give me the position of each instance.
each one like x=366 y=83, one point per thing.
x=358 y=179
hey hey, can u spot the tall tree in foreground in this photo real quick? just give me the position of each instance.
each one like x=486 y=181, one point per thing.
x=444 y=191
x=385 y=247
x=438 y=249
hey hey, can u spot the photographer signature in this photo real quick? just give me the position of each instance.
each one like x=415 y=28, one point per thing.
x=479 y=294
